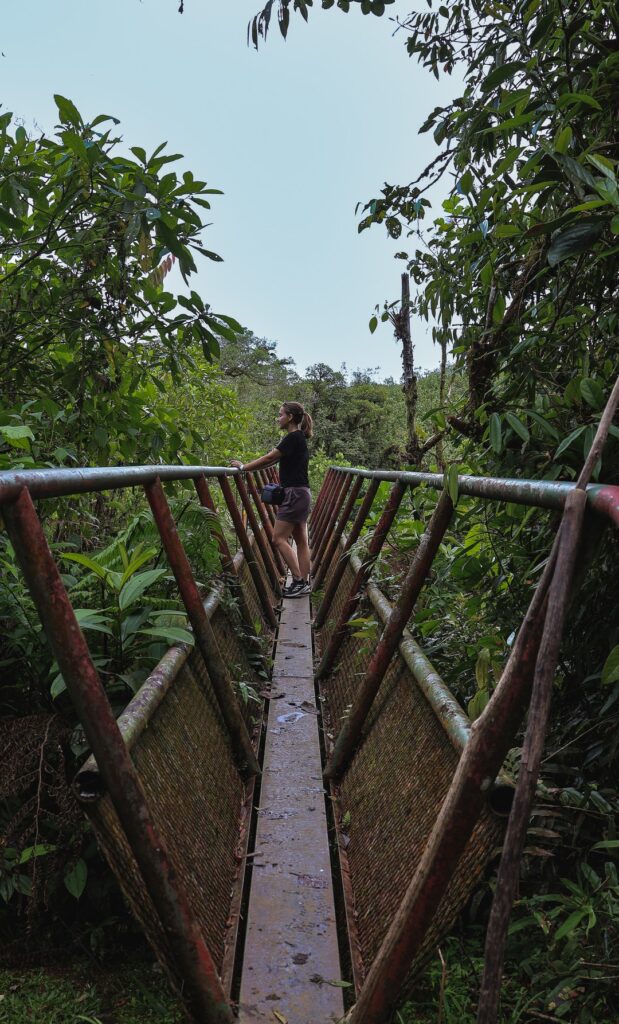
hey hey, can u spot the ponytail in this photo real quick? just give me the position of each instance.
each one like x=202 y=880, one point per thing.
x=300 y=416
x=307 y=425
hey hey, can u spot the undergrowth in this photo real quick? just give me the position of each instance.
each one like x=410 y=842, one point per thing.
x=83 y=995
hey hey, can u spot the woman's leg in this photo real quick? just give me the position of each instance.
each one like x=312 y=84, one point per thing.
x=281 y=533
x=299 y=532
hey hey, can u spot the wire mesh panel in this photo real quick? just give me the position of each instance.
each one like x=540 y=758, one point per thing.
x=197 y=798
x=391 y=793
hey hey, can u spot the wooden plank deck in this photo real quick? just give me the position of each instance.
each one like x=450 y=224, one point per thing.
x=291 y=951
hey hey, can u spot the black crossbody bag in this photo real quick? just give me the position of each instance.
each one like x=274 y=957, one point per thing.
x=273 y=494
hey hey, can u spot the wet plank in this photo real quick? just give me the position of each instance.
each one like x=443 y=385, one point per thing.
x=291 y=952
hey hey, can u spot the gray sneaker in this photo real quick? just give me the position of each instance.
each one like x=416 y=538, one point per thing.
x=298 y=588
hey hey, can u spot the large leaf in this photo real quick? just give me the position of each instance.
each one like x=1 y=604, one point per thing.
x=172 y=634
x=573 y=240
x=75 y=878
x=135 y=587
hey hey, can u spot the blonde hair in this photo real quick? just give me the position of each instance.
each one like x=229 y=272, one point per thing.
x=300 y=416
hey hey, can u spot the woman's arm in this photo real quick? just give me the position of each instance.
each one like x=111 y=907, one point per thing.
x=265 y=460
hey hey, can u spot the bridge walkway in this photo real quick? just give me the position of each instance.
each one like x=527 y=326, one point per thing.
x=291 y=907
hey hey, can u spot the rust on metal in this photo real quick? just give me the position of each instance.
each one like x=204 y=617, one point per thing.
x=267 y=525
x=203 y=993
x=491 y=736
x=538 y=493
x=335 y=516
x=350 y=733
x=317 y=519
x=250 y=556
x=227 y=561
x=352 y=602
x=338 y=531
x=261 y=540
x=205 y=638
x=340 y=567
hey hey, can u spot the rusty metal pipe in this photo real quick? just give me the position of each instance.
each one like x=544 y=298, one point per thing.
x=340 y=568
x=202 y=991
x=261 y=540
x=250 y=558
x=263 y=478
x=350 y=733
x=227 y=561
x=203 y=631
x=354 y=595
x=491 y=737
x=326 y=519
x=320 y=496
x=317 y=521
x=54 y=483
x=267 y=526
x=330 y=508
x=334 y=542
x=603 y=498
x=328 y=534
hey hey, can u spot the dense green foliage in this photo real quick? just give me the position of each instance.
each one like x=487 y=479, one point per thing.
x=516 y=272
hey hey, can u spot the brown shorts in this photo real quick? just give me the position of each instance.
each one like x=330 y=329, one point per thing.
x=296 y=505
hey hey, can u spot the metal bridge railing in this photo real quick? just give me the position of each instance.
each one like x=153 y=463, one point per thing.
x=335 y=528
x=194 y=968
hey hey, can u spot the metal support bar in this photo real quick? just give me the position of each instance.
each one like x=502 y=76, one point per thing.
x=350 y=733
x=329 y=510
x=317 y=520
x=340 y=567
x=261 y=540
x=320 y=496
x=203 y=631
x=334 y=543
x=354 y=597
x=250 y=557
x=267 y=525
x=227 y=561
x=603 y=498
x=263 y=478
x=202 y=990
x=328 y=534
x=491 y=737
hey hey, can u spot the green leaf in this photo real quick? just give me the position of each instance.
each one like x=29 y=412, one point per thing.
x=17 y=436
x=570 y=924
x=90 y=563
x=501 y=74
x=610 y=672
x=607 y=844
x=373 y=324
x=574 y=239
x=172 y=634
x=35 y=851
x=517 y=426
x=591 y=391
x=496 y=439
x=58 y=686
x=563 y=139
x=569 y=440
x=506 y=231
x=135 y=587
x=89 y=619
x=75 y=878
x=69 y=114
x=451 y=483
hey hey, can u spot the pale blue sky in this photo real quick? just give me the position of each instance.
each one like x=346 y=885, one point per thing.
x=294 y=135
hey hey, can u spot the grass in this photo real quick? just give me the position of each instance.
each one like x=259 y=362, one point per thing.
x=87 y=994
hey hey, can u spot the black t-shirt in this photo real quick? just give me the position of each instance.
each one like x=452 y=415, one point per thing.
x=294 y=460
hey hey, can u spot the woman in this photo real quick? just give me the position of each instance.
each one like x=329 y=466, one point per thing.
x=293 y=458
